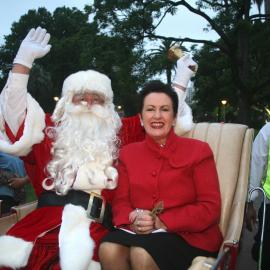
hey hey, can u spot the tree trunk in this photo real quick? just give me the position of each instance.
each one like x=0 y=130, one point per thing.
x=169 y=76
x=244 y=110
x=243 y=66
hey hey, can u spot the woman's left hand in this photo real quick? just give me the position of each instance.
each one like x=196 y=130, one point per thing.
x=159 y=224
x=144 y=223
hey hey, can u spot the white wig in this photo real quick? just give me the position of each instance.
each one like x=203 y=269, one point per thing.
x=82 y=134
x=83 y=81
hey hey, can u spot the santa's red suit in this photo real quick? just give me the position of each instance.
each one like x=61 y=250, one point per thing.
x=42 y=225
x=40 y=228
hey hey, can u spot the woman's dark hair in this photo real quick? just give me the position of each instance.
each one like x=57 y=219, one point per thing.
x=157 y=86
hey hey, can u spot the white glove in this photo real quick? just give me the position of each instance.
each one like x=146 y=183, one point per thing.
x=183 y=72
x=35 y=45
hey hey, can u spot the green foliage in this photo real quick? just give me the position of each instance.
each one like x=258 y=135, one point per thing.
x=40 y=86
x=136 y=21
x=76 y=45
x=158 y=61
x=210 y=90
x=235 y=67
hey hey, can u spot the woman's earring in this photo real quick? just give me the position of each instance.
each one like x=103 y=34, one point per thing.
x=141 y=121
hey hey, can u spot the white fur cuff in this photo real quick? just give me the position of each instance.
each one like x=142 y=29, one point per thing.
x=14 y=252
x=33 y=131
x=76 y=245
x=184 y=121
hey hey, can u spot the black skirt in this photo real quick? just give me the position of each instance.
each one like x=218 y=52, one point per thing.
x=169 y=250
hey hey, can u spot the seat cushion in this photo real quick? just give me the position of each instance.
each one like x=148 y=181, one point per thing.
x=226 y=142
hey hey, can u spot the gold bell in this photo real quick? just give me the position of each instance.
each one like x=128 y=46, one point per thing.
x=175 y=53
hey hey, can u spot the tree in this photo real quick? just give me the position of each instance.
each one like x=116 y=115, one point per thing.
x=232 y=21
x=61 y=61
x=211 y=62
x=158 y=62
x=40 y=86
x=76 y=45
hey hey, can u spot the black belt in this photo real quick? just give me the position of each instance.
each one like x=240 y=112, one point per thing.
x=96 y=206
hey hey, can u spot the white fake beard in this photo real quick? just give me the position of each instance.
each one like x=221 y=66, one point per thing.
x=82 y=135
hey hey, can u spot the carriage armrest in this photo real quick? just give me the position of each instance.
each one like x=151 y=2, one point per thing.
x=6 y=222
x=24 y=209
x=17 y=213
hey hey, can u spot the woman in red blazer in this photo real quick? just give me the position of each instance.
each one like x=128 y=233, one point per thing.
x=167 y=204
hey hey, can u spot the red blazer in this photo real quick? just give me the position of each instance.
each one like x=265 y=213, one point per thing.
x=183 y=175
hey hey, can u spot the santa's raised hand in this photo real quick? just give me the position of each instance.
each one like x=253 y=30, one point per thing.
x=185 y=69
x=35 y=45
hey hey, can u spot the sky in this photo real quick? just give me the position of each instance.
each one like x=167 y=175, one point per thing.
x=183 y=24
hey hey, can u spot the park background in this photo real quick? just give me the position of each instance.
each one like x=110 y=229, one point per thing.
x=129 y=40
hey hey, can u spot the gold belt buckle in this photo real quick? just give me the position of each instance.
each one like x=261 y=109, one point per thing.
x=90 y=204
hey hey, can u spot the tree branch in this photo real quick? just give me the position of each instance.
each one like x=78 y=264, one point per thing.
x=259 y=16
x=208 y=42
x=162 y=18
x=216 y=4
x=214 y=26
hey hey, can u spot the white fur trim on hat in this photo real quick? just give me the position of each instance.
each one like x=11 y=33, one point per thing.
x=14 y=252
x=76 y=245
x=184 y=122
x=32 y=133
x=89 y=80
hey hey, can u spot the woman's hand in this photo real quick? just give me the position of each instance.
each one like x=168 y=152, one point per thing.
x=159 y=224
x=142 y=222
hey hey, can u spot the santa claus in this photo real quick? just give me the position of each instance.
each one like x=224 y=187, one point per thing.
x=72 y=153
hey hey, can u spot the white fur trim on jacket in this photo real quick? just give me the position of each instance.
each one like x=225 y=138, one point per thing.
x=33 y=131
x=184 y=121
x=76 y=245
x=94 y=265
x=90 y=80
x=14 y=252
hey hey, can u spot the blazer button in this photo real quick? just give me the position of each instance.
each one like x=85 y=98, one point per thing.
x=154 y=173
